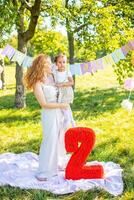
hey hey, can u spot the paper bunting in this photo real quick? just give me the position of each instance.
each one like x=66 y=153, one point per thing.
x=108 y=60
x=8 y=51
x=27 y=61
x=86 y=67
x=131 y=44
x=97 y=64
x=15 y=55
x=128 y=47
x=118 y=55
x=129 y=84
x=77 y=68
x=19 y=57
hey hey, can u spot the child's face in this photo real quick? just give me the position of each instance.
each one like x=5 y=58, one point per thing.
x=61 y=62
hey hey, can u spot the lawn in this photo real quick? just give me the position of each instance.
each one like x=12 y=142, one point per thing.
x=96 y=105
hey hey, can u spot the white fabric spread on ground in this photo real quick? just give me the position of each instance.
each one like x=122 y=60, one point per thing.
x=18 y=170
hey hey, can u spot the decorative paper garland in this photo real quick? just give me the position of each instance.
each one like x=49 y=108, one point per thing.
x=77 y=68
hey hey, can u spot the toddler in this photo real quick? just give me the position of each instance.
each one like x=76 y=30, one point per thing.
x=64 y=83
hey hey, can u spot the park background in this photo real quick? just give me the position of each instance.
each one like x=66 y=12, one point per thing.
x=85 y=31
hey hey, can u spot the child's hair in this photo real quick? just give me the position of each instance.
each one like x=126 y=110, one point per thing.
x=58 y=56
x=35 y=73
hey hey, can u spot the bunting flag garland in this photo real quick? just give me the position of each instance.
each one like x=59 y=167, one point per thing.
x=97 y=64
x=118 y=55
x=8 y=51
x=19 y=57
x=131 y=44
x=86 y=67
x=27 y=61
x=108 y=60
x=77 y=68
x=128 y=47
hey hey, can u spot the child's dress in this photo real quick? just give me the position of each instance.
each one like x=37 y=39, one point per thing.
x=65 y=95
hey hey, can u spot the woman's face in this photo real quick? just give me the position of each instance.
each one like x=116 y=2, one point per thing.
x=47 y=68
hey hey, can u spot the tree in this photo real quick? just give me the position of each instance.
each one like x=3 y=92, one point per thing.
x=24 y=35
x=49 y=42
x=99 y=29
x=25 y=14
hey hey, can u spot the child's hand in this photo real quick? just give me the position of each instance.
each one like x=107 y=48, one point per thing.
x=59 y=85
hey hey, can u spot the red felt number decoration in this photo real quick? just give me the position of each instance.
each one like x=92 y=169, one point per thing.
x=80 y=141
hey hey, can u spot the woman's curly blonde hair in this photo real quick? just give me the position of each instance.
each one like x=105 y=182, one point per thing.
x=35 y=73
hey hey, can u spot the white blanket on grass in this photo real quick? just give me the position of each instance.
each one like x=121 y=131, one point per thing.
x=18 y=170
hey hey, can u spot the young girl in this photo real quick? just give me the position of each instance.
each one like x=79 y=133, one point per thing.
x=64 y=83
x=39 y=78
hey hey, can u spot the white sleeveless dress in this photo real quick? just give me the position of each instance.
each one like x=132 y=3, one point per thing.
x=52 y=149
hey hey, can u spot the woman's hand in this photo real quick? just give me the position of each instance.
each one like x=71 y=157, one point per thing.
x=64 y=105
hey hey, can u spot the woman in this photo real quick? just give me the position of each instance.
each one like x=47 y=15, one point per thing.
x=39 y=78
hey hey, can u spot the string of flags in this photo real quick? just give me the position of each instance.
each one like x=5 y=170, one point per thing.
x=77 y=68
x=17 y=56
x=108 y=60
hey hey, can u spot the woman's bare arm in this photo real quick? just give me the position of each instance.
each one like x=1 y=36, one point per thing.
x=38 y=92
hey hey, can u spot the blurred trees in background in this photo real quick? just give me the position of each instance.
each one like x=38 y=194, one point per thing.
x=93 y=29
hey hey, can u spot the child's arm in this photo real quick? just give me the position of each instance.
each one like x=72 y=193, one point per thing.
x=38 y=92
x=66 y=84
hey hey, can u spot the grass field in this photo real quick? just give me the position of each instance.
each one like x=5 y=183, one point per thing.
x=96 y=105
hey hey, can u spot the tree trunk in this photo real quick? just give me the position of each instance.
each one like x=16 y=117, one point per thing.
x=23 y=37
x=3 y=79
x=20 y=97
x=3 y=73
x=71 y=47
x=71 y=50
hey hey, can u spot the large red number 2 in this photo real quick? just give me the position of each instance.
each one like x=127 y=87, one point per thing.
x=80 y=141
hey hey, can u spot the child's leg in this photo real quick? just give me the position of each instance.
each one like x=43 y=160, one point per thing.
x=72 y=119
x=68 y=118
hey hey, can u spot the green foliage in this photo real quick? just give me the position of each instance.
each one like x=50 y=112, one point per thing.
x=7 y=20
x=48 y=42
x=124 y=69
x=98 y=27
x=110 y=27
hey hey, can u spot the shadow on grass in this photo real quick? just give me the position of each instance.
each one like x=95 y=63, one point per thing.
x=7 y=102
x=20 y=119
x=93 y=102
x=96 y=102
x=32 y=145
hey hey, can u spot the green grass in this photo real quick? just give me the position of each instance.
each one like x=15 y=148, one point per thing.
x=96 y=105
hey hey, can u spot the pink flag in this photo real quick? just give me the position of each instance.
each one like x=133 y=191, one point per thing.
x=86 y=67
x=129 y=84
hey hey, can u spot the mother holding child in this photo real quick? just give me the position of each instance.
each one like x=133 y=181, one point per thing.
x=51 y=89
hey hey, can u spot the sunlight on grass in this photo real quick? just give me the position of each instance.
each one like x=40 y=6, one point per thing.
x=96 y=105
